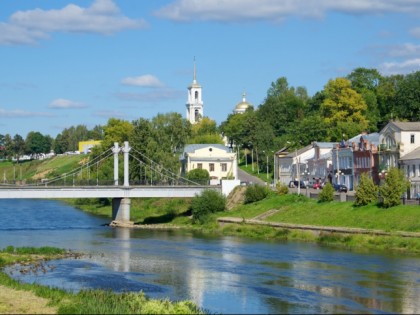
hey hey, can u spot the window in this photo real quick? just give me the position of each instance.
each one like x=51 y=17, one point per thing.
x=224 y=167
x=211 y=166
x=411 y=139
x=200 y=166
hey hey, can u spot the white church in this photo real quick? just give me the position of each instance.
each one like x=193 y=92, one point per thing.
x=195 y=102
x=217 y=159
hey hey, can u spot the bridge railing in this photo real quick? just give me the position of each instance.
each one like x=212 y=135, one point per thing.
x=93 y=182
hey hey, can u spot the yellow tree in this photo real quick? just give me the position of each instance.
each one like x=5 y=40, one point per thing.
x=343 y=110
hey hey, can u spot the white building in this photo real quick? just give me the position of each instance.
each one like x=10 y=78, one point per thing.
x=195 y=107
x=217 y=159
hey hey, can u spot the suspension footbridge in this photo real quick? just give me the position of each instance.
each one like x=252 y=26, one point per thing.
x=153 y=180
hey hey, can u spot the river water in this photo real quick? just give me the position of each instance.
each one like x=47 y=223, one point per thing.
x=220 y=274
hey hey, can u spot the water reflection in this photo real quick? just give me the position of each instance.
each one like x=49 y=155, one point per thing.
x=222 y=274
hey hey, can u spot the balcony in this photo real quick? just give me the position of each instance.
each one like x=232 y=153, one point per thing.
x=387 y=147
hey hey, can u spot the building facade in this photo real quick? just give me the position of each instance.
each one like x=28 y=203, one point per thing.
x=217 y=159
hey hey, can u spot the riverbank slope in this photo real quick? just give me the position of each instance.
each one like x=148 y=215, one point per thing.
x=289 y=217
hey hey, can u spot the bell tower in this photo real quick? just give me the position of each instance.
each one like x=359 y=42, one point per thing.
x=195 y=102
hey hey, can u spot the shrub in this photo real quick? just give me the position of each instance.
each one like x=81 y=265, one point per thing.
x=327 y=193
x=255 y=193
x=282 y=189
x=366 y=192
x=394 y=188
x=199 y=175
x=208 y=202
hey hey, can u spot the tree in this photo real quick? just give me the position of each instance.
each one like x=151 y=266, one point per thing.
x=394 y=188
x=407 y=97
x=18 y=146
x=365 y=82
x=198 y=175
x=36 y=143
x=366 y=192
x=327 y=193
x=205 y=131
x=208 y=202
x=343 y=109
x=160 y=140
x=283 y=106
x=116 y=130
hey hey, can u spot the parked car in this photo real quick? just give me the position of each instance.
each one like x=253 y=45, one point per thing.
x=340 y=187
x=294 y=184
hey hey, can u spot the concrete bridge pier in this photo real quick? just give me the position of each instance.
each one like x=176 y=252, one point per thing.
x=121 y=210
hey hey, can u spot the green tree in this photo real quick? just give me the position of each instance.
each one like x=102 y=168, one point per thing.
x=159 y=141
x=394 y=187
x=283 y=106
x=343 y=109
x=326 y=194
x=198 y=175
x=386 y=94
x=36 y=143
x=366 y=191
x=18 y=146
x=407 y=97
x=208 y=202
x=205 y=131
x=365 y=82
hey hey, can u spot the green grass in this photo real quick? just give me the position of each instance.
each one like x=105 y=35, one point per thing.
x=37 y=169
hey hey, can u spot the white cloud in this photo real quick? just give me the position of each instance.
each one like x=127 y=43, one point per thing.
x=61 y=103
x=103 y=16
x=146 y=80
x=404 y=67
x=276 y=10
x=405 y=50
x=415 y=32
x=18 y=113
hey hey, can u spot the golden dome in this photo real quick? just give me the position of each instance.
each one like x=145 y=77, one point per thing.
x=242 y=106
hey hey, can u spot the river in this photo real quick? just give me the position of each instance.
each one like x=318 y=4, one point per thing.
x=220 y=274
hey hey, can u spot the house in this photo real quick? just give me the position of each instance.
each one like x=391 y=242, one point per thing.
x=397 y=139
x=217 y=159
x=86 y=146
x=320 y=166
x=410 y=164
x=293 y=165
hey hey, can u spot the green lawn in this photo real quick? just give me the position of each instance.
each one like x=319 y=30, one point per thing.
x=302 y=210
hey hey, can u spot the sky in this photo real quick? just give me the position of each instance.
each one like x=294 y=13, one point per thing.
x=65 y=63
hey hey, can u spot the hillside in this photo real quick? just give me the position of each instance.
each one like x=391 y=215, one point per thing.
x=36 y=170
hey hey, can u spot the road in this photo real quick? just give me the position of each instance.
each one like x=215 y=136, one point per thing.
x=245 y=177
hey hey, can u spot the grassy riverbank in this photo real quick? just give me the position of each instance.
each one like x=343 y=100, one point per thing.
x=292 y=209
x=22 y=298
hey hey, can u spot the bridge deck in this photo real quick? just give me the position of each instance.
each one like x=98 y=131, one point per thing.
x=40 y=192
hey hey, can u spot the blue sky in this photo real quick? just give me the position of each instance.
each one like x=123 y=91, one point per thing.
x=71 y=62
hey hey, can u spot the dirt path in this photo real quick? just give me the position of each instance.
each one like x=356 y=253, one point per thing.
x=23 y=302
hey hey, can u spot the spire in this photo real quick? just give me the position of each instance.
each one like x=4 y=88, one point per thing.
x=243 y=97
x=194 y=78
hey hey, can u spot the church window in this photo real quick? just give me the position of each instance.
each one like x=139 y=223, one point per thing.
x=196 y=95
x=224 y=167
x=200 y=166
x=411 y=139
x=211 y=166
